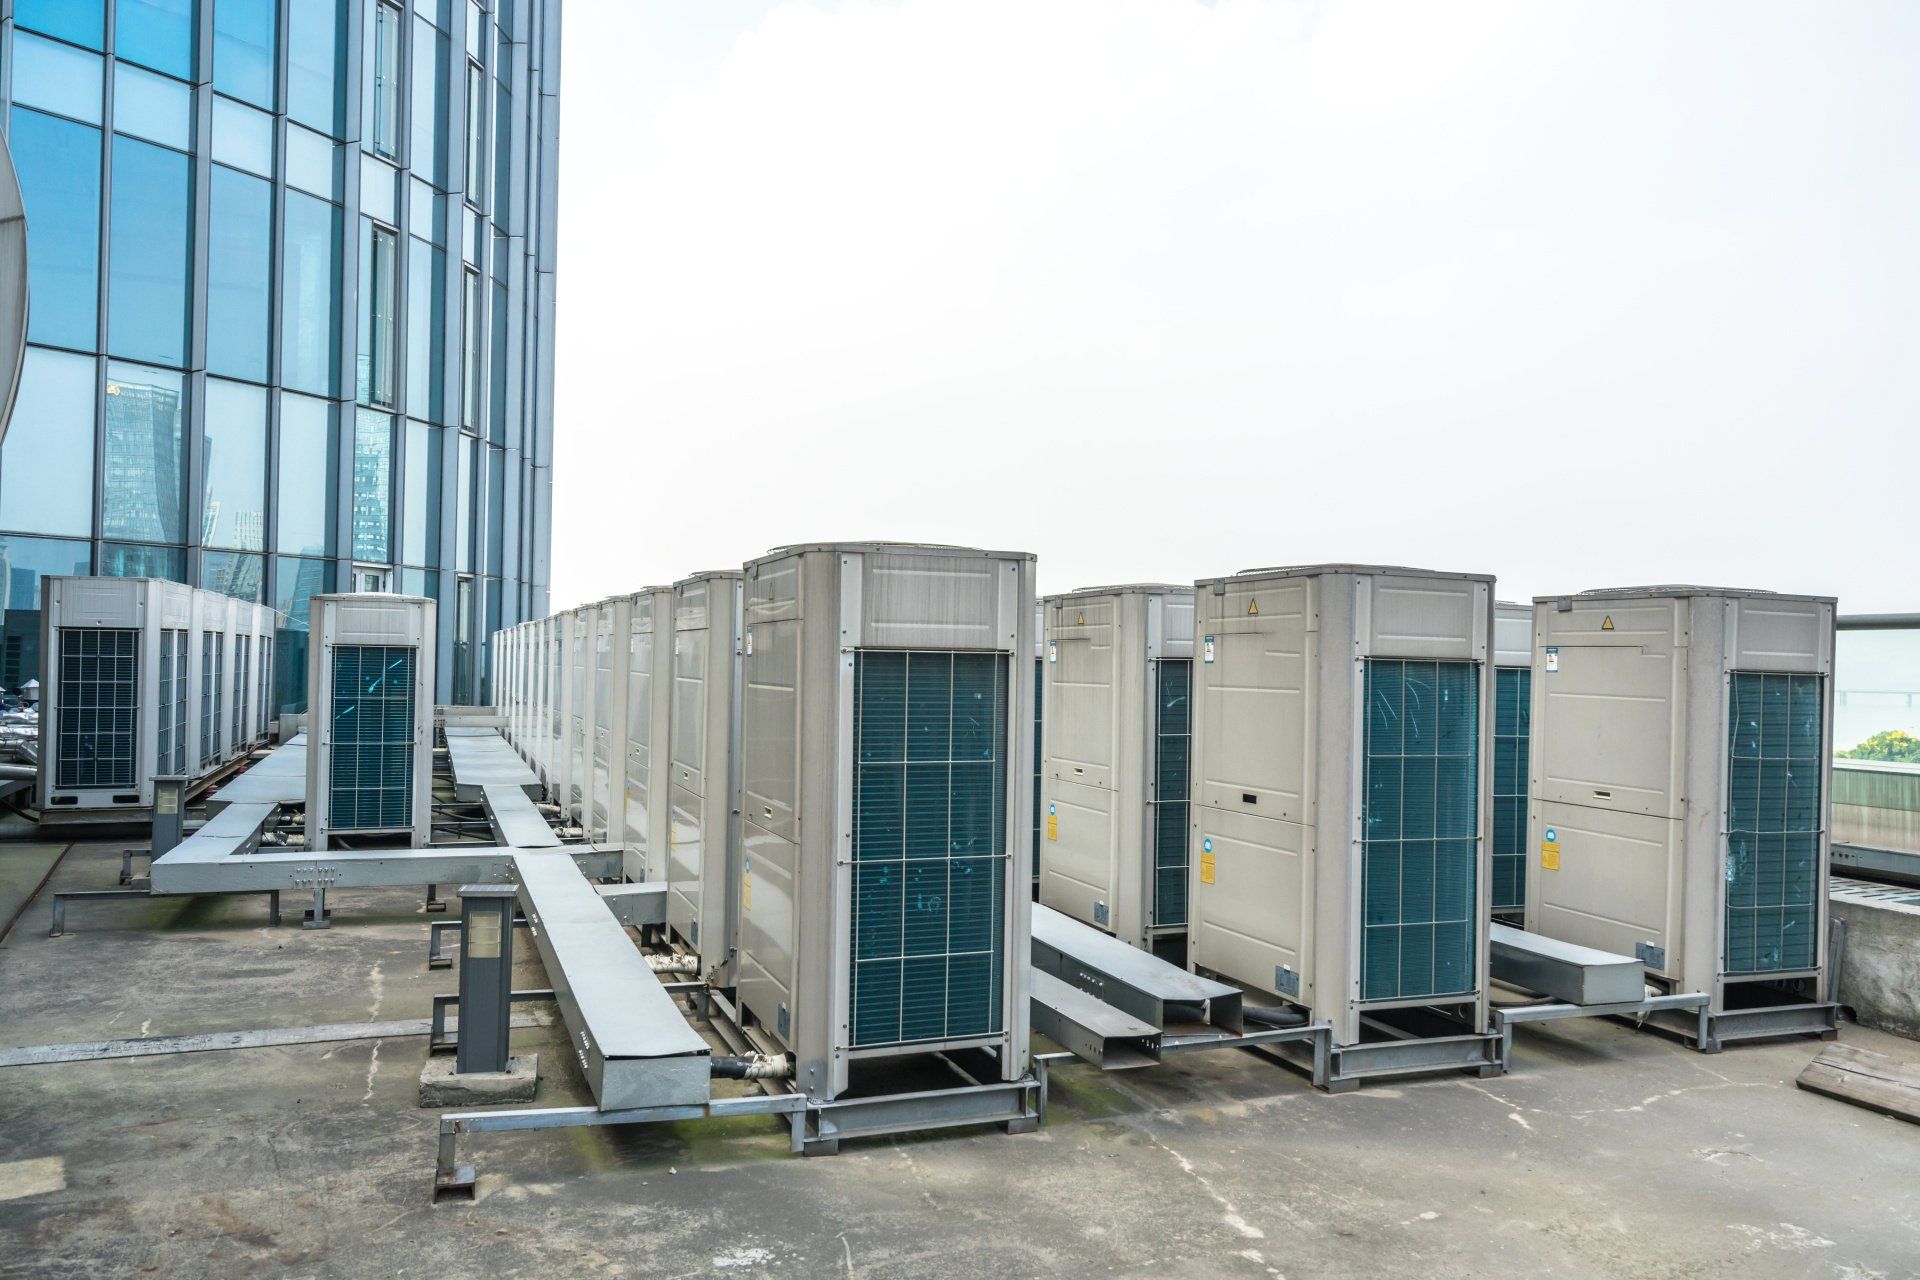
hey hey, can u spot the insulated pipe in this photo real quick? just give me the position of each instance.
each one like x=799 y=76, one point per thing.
x=1271 y=1017
x=673 y=963
x=759 y=1067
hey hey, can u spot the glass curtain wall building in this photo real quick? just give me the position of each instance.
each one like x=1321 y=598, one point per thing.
x=292 y=280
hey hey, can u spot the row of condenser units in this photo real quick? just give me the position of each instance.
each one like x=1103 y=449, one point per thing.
x=855 y=764
x=145 y=677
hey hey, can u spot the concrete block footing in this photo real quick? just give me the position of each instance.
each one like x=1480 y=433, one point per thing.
x=442 y=1085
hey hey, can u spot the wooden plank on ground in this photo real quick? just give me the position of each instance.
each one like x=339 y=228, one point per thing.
x=1866 y=1079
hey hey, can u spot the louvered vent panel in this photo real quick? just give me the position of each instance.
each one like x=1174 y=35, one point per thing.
x=99 y=692
x=1420 y=818
x=1173 y=687
x=372 y=736
x=1512 y=693
x=929 y=845
x=1773 y=821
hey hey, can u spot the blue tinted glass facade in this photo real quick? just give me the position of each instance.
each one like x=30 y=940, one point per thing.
x=193 y=404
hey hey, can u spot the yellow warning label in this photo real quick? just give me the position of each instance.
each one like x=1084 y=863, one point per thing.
x=1549 y=855
x=1053 y=826
x=746 y=892
x=1606 y=623
x=1080 y=619
x=1206 y=868
x=1253 y=608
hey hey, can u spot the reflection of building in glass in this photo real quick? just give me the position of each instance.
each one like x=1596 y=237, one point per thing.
x=142 y=461
x=372 y=491
x=238 y=575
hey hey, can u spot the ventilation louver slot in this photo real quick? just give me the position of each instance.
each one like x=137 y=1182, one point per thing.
x=929 y=848
x=1420 y=818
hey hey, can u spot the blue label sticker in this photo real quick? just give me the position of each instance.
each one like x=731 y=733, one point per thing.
x=1206 y=845
x=1051 y=809
x=1553 y=835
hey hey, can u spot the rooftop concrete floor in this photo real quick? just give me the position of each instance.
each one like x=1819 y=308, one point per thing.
x=1608 y=1152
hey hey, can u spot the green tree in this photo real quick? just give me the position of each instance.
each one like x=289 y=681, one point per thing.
x=1889 y=744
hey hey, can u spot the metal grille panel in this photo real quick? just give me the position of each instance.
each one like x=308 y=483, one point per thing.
x=212 y=674
x=1039 y=700
x=1173 y=740
x=171 y=757
x=1512 y=718
x=371 y=738
x=99 y=695
x=1773 y=821
x=929 y=845
x=1420 y=823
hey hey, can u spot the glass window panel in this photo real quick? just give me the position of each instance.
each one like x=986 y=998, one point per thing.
x=426 y=331
x=420 y=532
x=496 y=502
x=313 y=162
x=387 y=32
x=428 y=213
x=378 y=300
x=149 y=253
x=476 y=133
x=77 y=20
x=377 y=198
x=143 y=480
x=502 y=147
x=303 y=497
x=152 y=107
x=155 y=33
x=429 y=103
x=25 y=561
x=463 y=504
x=239 y=274
x=476 y=30
x=243 y=37
x=497 y=400
x=373 y=486
x=59 y=168
x=130 y=560
x=234 y=507
x=314 y=47
x=471 y=364
x=46 y=463
x=242 y=137
x=235 y=574
x=310 y=296
x=56 y=76
x=295 y=583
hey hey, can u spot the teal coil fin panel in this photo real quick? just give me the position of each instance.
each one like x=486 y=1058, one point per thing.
x=1420 y=821
x=1512 y=716
x=371 y=738
x=929 y=845
x=1173 y=739
x=1774 y=770
x=99 y=691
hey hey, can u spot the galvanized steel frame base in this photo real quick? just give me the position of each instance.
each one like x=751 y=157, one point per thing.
x=1712 y=1032
x=1681 y=1009
x=1348 y=1065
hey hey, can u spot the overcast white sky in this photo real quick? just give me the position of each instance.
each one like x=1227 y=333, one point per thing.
x=1576 y=293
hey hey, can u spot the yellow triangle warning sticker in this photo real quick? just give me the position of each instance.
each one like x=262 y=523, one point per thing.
x=1606 y=623
x=1080 y=619
x=1253 y=608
